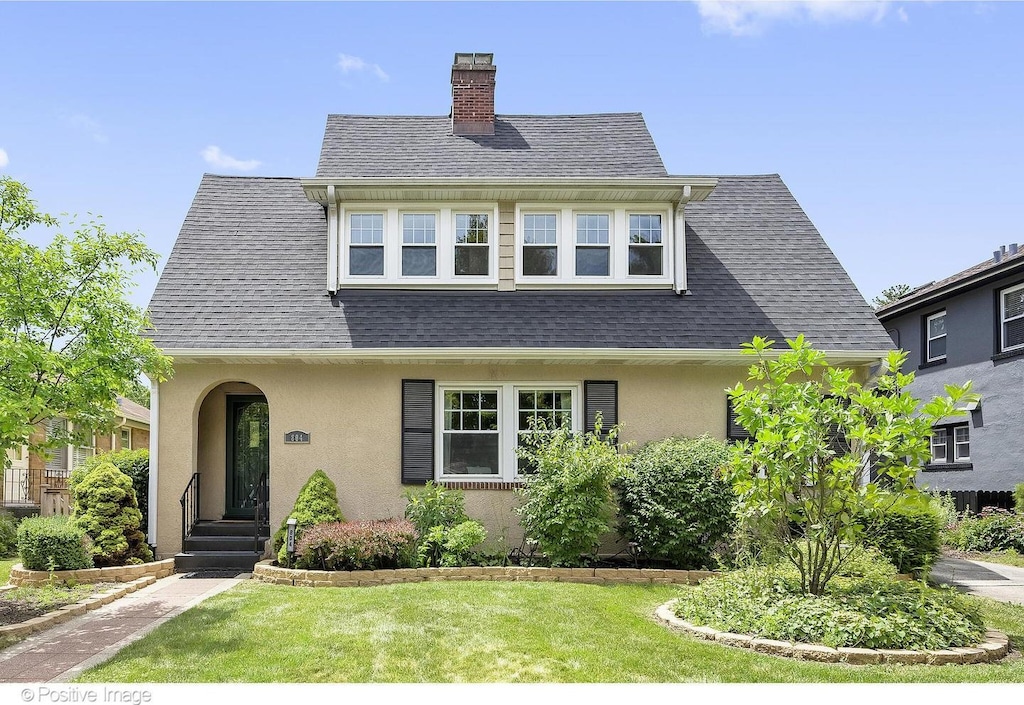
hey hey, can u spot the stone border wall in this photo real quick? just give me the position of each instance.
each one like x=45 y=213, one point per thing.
x=63 y=614
x=995 y=647
x=115 y=574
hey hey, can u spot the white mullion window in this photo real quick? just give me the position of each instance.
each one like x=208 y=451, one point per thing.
x=646 y=245
x=936 y=337
x=419 y=245
x=471 y=432
x=1011 y=316
x=593 y=248
x=540 y=410
x=472 y=250
x=961 y=444
x=940 y=445
x=540 y=245
x=366 y=244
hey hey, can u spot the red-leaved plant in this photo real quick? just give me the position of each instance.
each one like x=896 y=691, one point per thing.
x=357 y=545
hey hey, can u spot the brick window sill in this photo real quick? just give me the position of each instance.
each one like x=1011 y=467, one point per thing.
x=947 y=467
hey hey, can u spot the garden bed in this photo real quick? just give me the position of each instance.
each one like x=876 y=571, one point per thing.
x=113 y=574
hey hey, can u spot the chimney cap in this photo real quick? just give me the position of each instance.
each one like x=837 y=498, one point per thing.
x=474 y=59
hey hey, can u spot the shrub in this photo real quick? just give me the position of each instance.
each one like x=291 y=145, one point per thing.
x=988 y=532
x=856 y=612
x=452 y=546
x=317 y=503
x=910 y=537
x=435 y=505
x=53 y=543
x=357 y=545
x=106 y=509
x=134 y=464
x=567 y=498
x=1018 y=498
x=673 y=501
x=8 y=534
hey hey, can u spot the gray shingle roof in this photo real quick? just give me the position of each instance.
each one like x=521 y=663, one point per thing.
x=249 y=270
x=606 y=145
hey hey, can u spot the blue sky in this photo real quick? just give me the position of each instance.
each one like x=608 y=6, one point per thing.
x=898 y=126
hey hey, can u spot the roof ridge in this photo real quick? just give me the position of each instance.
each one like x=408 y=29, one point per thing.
x=496 y=115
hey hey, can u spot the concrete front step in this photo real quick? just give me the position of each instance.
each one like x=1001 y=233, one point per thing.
x=215 y=560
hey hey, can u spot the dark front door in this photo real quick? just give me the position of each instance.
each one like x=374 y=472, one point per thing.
x=248 y=444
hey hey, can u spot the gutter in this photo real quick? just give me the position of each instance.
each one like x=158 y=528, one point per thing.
x=978 y=280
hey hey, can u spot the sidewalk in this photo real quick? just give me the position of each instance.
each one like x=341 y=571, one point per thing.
x=1000 y=582
x=61 y=653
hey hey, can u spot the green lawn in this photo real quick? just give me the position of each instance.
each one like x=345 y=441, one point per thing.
x=474 y=632
x=5 y=568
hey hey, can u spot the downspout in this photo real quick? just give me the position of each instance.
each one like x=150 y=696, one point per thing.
x=154 y=455
x=332 y=240
x=679 y=233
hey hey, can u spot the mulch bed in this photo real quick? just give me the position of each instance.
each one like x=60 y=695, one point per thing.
x=25 y=603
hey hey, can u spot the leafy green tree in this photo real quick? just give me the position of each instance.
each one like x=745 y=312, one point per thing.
x=827 y=451
x=70 y=341
x=890 y=294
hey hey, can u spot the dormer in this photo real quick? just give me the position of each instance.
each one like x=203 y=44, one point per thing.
x=482 y=200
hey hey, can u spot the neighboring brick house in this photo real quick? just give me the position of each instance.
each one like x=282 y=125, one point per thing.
x=402 y=315
x=970 y=326
x=31 y=475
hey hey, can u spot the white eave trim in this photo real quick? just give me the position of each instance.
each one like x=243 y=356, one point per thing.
x=483 y=354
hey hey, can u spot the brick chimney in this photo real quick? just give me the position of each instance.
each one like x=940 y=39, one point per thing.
x=473 y=94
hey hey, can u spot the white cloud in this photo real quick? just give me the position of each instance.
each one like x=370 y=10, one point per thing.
x=216 y=158
x=4 y=161
x=85 y=124
x=353 y=64
x=750 y=17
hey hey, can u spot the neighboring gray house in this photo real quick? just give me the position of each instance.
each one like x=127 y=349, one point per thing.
x=970 y=326
x=402 y=315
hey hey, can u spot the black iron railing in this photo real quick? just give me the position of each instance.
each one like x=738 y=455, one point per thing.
x=189 y=508
x=261 y=507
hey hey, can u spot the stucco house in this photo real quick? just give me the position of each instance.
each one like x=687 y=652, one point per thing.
x=401 y=315
x=970 y=326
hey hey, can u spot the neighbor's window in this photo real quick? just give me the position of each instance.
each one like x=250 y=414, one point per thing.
x=546 y=409
x=936 y=333
x=645 y=246
x=472 y=251
x=951 y=444
x=593 y=254
x=470 y=443
x=126 y=438
x=940 y=442
x=1011 y=315
x=540 y=245
x=419 y=245
x=366 y=244
x=961 y=443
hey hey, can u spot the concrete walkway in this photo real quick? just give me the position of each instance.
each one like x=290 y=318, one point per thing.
x=61 y=653
x=1000 y=582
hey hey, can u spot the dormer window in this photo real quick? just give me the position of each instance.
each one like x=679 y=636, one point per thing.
x=645 y=245
x=593 y=254
x=366 y=245
x=419 y=245
x=472 y=245
x=540 y=244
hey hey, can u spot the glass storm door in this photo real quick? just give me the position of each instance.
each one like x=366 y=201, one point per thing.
x=248 y=444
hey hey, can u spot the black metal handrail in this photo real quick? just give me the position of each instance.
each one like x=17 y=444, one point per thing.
x=189 y=508
x=261 y=513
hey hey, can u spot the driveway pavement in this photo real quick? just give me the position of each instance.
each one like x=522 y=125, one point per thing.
x=1000 y=582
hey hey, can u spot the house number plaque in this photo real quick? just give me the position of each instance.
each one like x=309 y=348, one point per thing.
x=296 y=437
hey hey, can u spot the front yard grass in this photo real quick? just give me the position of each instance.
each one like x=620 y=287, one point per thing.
x=5 y=569
x=475 y=632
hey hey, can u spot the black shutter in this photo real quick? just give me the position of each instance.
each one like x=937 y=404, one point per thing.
x=733 y=430
x=417 y=431
x=603 y=397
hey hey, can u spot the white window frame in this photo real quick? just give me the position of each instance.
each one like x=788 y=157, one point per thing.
x=957 y=458
x=122 y=431
x=444 y=244
x=618 y=238
x=943 y=460
x=662 y=245
x=403 y=244
x=577 y=245
x=508 y=423
x=1003 y=320
x=491 y=245
x=929 y=337
x=521 y=244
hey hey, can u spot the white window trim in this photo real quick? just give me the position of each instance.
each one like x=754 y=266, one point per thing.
x=1003 y=320
x=945 y=446
x=121 y=431
x=508 y=433
x=618 y=237
x=929 y=338
x=957 y=458
x=610 y=245
x=444 y=242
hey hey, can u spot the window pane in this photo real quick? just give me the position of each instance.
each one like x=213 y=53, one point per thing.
x=645 y=229
x=1013 y=333
x=418 y=229
x=472 y=260
x=963 y=434
x=471 y=228
x=937 y=348
x=470 y=420
x=645 y=260
x=366 y=229
x=540 y=229
x=1013 y=304
x=470 y=453
x=488 y=400
x=366 y=261
x=419 y=261
x=592 y=261
x=592 y=229
x=936 y=326
x=540 y=261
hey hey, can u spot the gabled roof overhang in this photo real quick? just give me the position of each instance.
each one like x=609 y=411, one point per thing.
x=639 y=190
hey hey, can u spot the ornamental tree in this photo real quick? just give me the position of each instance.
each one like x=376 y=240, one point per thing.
x=827 y=451
x=70 y=341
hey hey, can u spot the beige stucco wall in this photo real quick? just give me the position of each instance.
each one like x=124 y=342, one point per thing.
x=353 y=413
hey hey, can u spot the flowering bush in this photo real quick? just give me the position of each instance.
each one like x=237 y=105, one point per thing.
x=357 y=545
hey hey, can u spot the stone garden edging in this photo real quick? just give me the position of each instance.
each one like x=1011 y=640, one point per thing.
x=63 y=614
x=995 y=647
x=269 y=573
x=114 y=574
